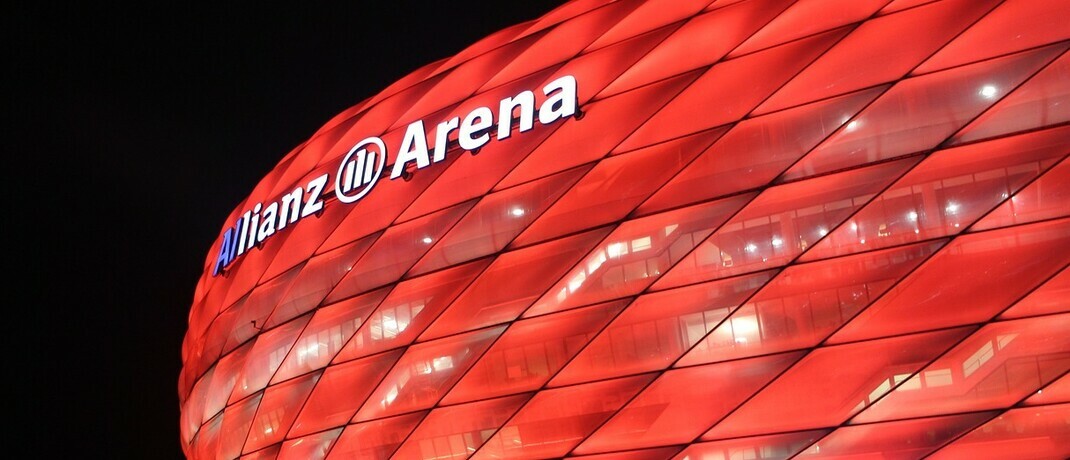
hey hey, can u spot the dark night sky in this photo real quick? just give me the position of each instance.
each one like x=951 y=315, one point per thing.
x=137 y=129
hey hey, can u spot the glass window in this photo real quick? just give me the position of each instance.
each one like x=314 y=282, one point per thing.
x=991 y=271
x=531 y=352
x=919 y=113
x=844 y=389
x=657 y=328
x=682 y=403
x=994 y=368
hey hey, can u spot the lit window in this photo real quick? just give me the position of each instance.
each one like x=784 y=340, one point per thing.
x=641 y=244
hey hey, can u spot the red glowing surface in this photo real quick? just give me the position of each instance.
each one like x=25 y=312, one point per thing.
x=814 y=229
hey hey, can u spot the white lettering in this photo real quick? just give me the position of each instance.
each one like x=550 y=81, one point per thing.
x=561 y=104
x=413 y=148
x=526 y=102
x=442 y=137
x=314 y=203
x=475 y=123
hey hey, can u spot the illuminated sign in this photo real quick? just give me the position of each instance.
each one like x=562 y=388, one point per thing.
x=363 y=166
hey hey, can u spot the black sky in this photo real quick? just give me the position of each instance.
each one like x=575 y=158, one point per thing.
x=137 y=130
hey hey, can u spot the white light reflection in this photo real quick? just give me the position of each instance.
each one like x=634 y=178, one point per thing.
x=777 y=242
x=822 y=231
x=750 y=247
x=912 y=216
x=427 y=240
x=988 y=91
x=516 y=212
x=952 y=207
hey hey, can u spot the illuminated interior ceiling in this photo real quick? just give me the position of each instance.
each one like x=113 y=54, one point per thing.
x=772 y=229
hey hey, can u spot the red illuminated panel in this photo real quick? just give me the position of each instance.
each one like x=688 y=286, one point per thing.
x=918 y=114
x=605 y=123
x=341 y=390
x=806 y=303
x=277 y=412
x=425 y=373
x=611 y=190
x=682 y=403
x=330 y=328
x=531 y=352
x=248 y=275
x=1057 y=392
x=406 y=312
x=316 y=279
x=311 y=447
x=904 y=439
x=1051 y=297
x=1046 y=198
x=246 y=318
x=471 y=176
x=867 y=57
x=375 y=440
x=194 y=407
x=806 y=18
x=768 y=222
x=657 y=328
x=563 y=42
x=267 y=453
x=1044 y=100
x=463 y=80
x=598 y=68
x=303 y=240
x=496 y=220
x=227 y=369
x=719 y=31
x=781 y=223
x=511 y=284
x=635 y=255
x=946 y=193
x=377 y=210
x=658 y=453
x=992 y=270
x=237 y=419
x=554 y=421
x=996 y=367
x=773 y=447
x=266 y=356
x=562 y=13
x=876 y=367
x=1011 y=27
x=206 y=444
x=455 y=432
x=712 y=100
x=649 y=16
x=1033 y=432
x=395 y=252
x=756 y=151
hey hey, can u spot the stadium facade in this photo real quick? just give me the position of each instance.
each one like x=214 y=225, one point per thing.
x=678 y=229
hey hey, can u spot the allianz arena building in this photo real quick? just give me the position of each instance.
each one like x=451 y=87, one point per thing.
x=678 y=229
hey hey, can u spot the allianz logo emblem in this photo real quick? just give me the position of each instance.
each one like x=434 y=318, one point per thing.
x=360 y=170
